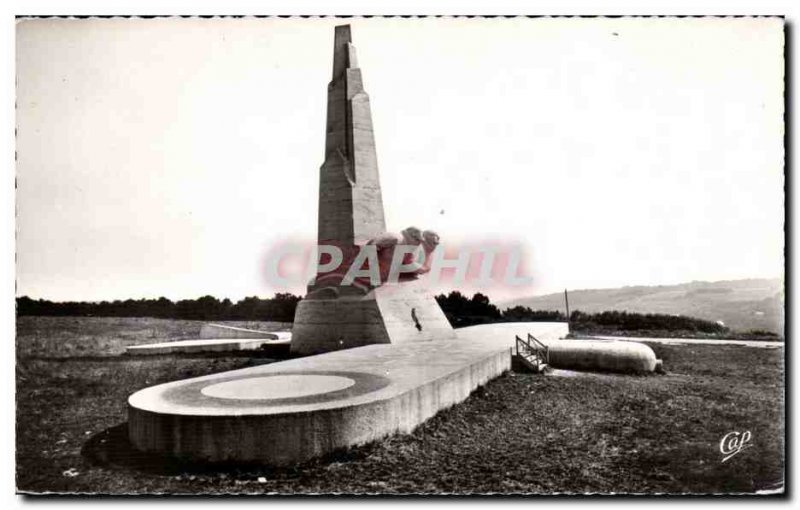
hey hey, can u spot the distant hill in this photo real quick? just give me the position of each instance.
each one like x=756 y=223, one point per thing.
x=740 y=304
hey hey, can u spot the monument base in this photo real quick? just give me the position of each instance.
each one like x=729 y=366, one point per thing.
x=392 y=313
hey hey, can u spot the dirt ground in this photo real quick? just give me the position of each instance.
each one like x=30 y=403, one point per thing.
x=518 y=434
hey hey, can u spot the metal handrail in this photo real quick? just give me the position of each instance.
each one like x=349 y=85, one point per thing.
x=543 y=349
x=521 y=342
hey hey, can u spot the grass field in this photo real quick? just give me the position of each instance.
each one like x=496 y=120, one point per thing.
x=571 y=432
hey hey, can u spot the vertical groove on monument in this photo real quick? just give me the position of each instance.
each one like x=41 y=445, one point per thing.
x=350 y=202
x=351 y=214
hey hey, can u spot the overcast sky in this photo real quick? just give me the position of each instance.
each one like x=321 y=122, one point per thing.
x=164 y=157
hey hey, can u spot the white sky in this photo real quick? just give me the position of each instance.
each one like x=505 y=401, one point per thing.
x=164 y=157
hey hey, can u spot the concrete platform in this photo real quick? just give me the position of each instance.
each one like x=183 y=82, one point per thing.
x=294 y=410
x=218 y=331
x=504 y=333
x=760 y=344
x=206 y=345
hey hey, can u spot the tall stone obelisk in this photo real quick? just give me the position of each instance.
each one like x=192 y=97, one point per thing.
x=350 y=202
x=334 y=315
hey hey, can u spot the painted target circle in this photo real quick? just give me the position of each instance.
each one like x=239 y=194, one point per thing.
x=279 y=388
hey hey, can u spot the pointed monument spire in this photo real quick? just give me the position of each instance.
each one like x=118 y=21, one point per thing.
x=334 y=315
x=344 y=53
x=350 y=201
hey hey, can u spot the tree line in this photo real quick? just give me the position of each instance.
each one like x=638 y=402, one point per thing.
x=463 y=311
x=279 y=308
x=459 y=309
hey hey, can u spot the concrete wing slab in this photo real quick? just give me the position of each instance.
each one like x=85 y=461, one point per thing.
x=205 y=345
x=223 y=331
x=294 y=410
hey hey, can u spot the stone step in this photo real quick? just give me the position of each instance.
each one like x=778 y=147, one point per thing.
x=533 y=358
x=522 y=363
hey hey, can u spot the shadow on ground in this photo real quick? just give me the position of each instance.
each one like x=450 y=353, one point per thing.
x=111 y=449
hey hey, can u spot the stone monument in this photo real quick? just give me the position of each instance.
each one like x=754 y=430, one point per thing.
x=336 y=314
x=290 y=411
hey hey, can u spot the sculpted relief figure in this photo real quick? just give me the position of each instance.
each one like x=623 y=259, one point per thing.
x=410 y=241
x=412 y=248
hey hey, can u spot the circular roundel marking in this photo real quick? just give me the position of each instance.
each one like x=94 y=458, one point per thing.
x=276 y=389
x=279 y=386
